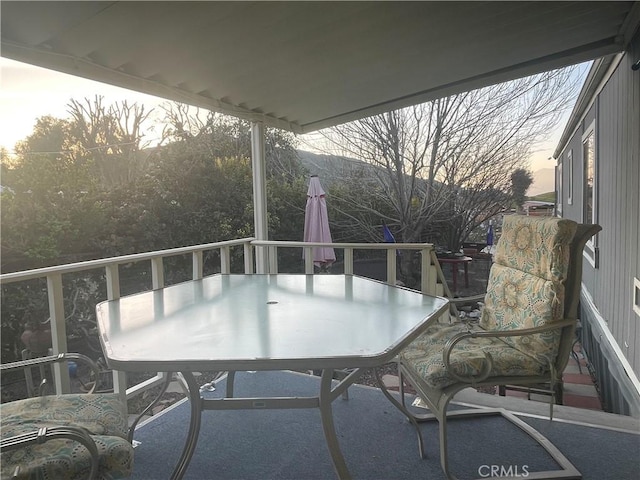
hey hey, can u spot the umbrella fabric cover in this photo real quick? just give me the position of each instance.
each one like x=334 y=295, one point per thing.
x=316 y=223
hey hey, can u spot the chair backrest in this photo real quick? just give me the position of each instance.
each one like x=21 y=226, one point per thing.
x=526 y=285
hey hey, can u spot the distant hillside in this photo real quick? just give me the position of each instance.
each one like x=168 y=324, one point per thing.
x=545 y=197
x=543 y=182
x=331 y=167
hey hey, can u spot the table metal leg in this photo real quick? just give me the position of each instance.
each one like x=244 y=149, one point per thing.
x=323 y=402
x=326 y=414
x=195 y=402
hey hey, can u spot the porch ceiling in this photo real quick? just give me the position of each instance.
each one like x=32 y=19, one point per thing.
x=303 y=66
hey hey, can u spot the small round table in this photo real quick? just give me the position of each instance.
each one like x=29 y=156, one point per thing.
x=455 y=263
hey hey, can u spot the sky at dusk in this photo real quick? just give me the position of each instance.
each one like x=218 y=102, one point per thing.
x=28 y=92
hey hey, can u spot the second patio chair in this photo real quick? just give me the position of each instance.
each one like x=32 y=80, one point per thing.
x=70 y=436
x=524 y=335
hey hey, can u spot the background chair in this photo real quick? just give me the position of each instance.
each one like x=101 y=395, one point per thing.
x=69 y=436
x=524 y=336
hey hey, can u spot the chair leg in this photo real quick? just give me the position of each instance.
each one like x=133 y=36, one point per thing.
x=439 y=411
x=559 y=393
x=565 y=471
x=444 y=457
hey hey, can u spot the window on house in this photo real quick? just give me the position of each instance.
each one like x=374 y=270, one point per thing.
x=590 y=189
x=636 y=296
x=570 y=177
x=559 y=189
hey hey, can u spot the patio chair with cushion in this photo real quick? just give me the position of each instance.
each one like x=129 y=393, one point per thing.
x=524 y=335
x=71 y=436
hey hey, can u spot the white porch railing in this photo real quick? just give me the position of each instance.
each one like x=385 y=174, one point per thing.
x=431 y=282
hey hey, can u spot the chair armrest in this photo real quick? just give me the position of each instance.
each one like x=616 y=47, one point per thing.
x=62 y=357
x=45 y=434
x=488 y=365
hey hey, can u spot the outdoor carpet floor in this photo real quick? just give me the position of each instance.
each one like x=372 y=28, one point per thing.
x=376 y=440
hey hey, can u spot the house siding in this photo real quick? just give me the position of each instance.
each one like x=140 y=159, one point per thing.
x=609 y=286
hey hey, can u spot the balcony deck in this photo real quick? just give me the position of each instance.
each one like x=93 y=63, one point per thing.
x=376 y=439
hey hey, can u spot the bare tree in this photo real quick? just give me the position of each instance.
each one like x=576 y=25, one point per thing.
x=453 y=157
x=109 y=136
x=222 y=136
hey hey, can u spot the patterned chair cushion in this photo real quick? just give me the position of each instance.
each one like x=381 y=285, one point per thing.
x=517 y=300
x=424 y=356
x=104 y=416
x=535 y=245
x=526 y=288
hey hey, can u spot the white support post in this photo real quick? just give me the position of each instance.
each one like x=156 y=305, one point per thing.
x=58 y=332
x=258 y=164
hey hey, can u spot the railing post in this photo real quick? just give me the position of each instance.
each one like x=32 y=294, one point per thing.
x=225 y=260
x=58 y=331
x=197 y=265
x=112 y=273
x=391 y=266
x=308 y=260
x=273 y=259
x=427 y=273
x=248 y=258
x=348 y=261
x=157 y=273
x=113 y=293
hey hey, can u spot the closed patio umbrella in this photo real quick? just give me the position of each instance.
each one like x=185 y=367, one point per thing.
x=316 y=223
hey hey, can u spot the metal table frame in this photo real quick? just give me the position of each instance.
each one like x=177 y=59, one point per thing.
x=146 y=319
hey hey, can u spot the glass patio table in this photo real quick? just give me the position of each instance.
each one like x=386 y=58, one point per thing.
x=264 y=322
